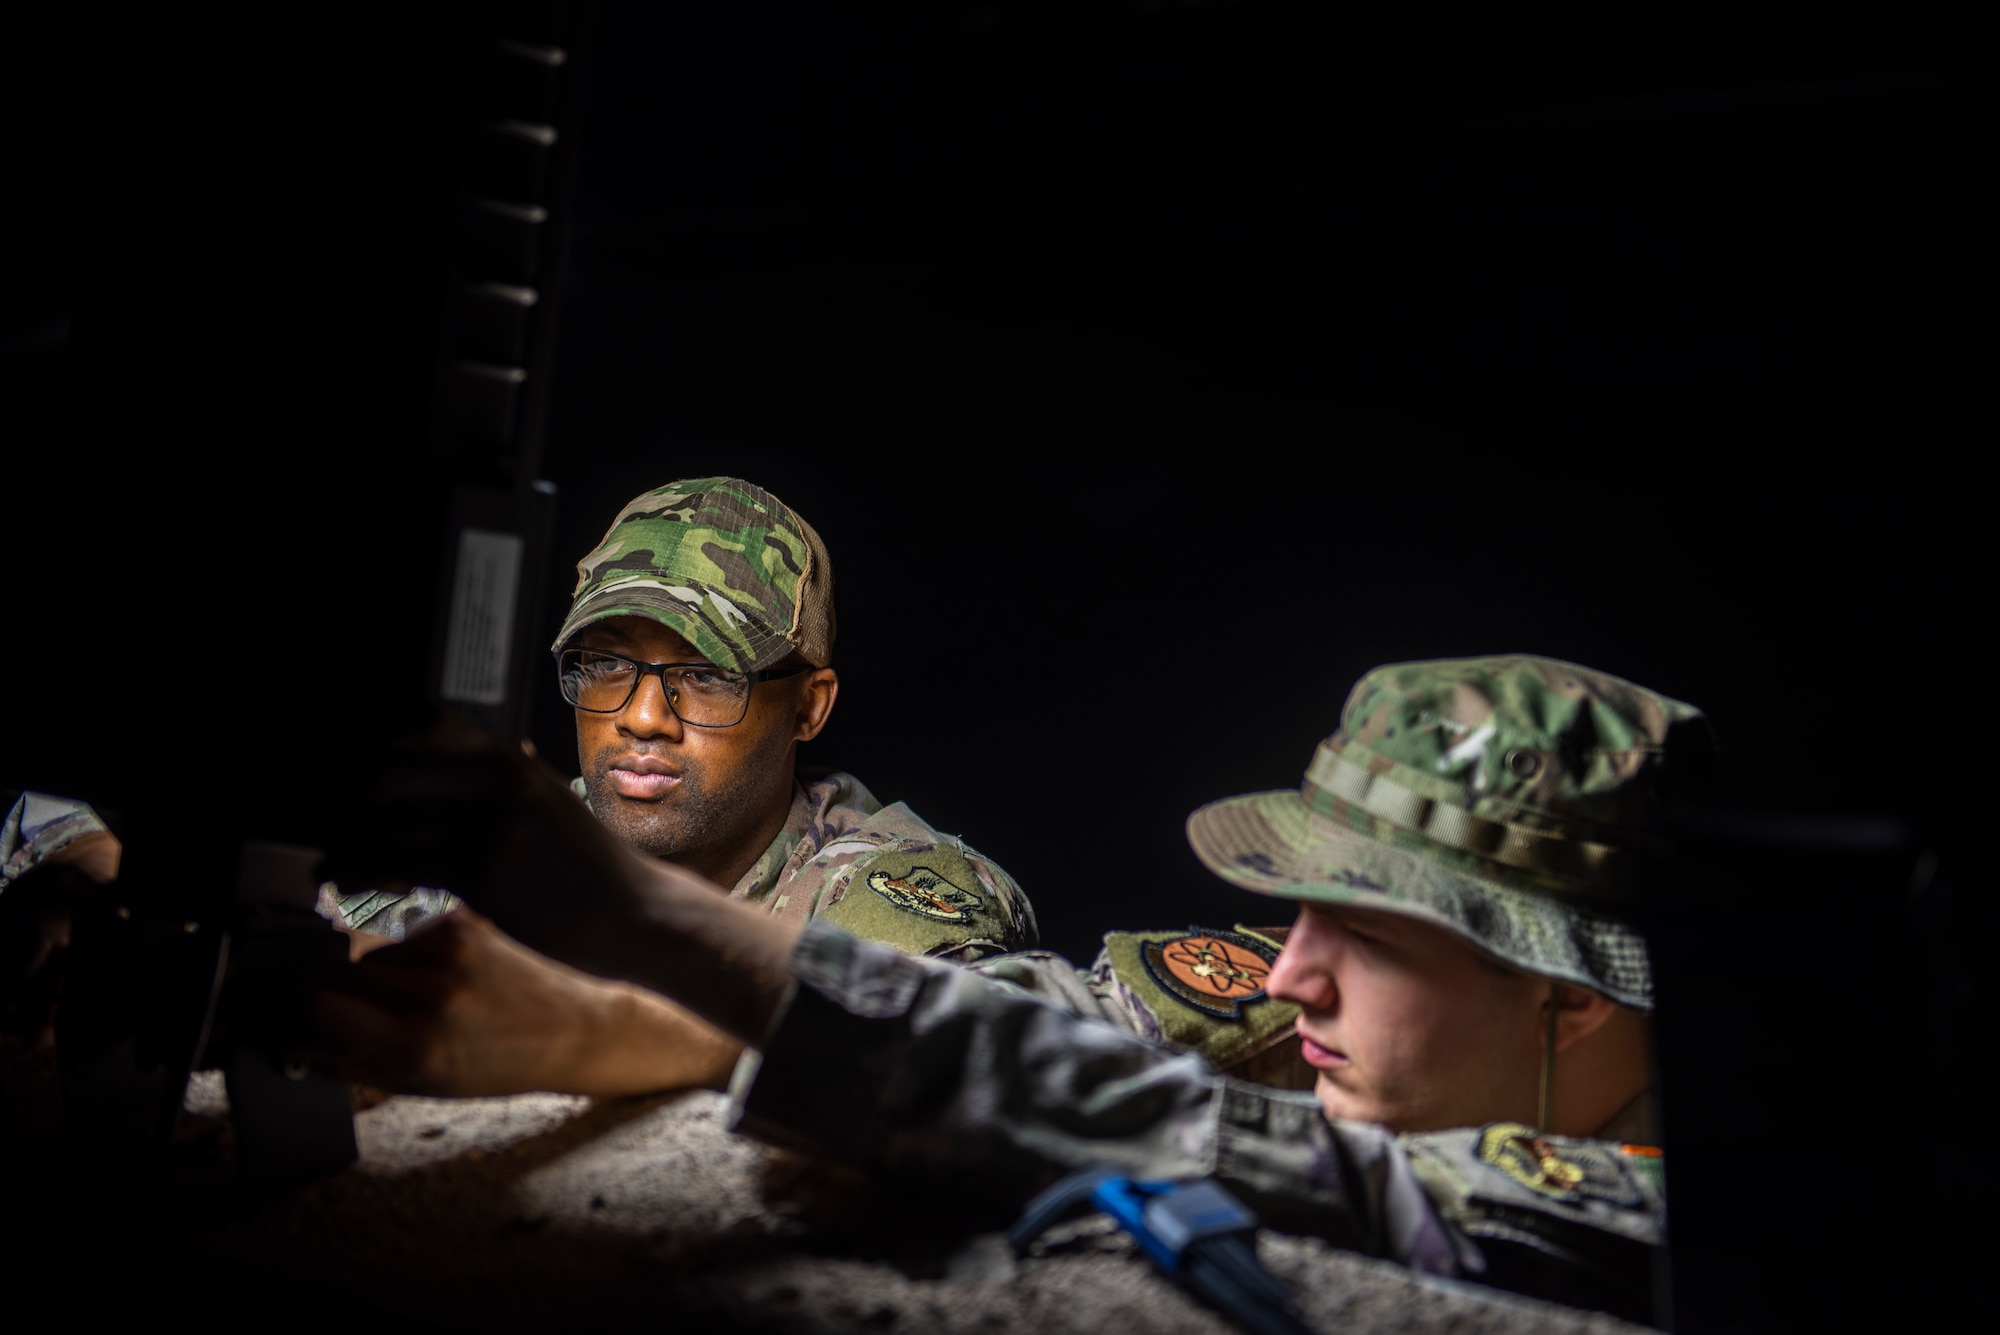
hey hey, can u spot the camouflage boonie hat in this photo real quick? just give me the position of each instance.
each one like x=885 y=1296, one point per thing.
x=725 y=564
x=1508 y=800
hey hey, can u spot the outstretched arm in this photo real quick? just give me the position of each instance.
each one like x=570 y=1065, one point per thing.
x=455 y=807
x=463 y=1008
x=460 y=1009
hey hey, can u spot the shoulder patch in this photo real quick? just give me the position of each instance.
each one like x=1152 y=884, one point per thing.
x=923 y=890
x=1201 y=989
x=1214 y=972
x=922 y=901
x=1556 y=1167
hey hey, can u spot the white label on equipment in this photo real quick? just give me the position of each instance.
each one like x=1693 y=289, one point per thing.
x=482 y=616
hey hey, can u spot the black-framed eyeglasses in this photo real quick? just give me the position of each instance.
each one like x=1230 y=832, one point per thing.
x=701 y=695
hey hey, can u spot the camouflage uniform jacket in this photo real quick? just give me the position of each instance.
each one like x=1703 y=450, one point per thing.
x=884 y=874
x=879 y=872
x=946 y=1079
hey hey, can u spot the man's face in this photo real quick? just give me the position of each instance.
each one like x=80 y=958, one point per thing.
x=1407 y=1025
x=697 y=796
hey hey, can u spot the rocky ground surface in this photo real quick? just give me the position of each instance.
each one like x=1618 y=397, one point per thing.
x=546 y=1211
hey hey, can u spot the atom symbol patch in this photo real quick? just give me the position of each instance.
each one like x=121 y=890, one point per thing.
x=1217 y=973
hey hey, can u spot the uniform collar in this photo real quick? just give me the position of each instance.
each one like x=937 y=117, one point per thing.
x=825 y=804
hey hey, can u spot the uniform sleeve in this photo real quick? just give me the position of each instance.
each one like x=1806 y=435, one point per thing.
x=1246 y=1037
x=1053 y=979
x=394 y=914
x=36 y=826
x=1202 y=990
x=1579 y=1221
x=948 y=1080
x=924 y=898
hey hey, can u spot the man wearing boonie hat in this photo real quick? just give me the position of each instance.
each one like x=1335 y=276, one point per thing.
x=697 y=653
x=1463 y=978
x=1475 y=823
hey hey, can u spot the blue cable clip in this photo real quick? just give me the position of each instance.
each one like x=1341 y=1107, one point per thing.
x=1165 y=1217
x=1200 y=1235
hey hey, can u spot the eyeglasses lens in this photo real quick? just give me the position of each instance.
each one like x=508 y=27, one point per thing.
x=705 y=696
x=597 y=682
x=709 y=697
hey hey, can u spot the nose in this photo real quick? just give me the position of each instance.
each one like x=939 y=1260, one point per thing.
x=647 y=713
x=1302 y=974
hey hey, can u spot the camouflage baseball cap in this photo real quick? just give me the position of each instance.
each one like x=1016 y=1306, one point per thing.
x=722 y=562
x=1508 y=800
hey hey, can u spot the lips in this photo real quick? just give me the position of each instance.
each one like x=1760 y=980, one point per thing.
x=642 y=778
x=1319 y=1056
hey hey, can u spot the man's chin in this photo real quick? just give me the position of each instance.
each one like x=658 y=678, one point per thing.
x=1343 y=1104
x=636 y=824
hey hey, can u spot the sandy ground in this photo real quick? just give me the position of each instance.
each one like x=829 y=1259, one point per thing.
x=542 y=1211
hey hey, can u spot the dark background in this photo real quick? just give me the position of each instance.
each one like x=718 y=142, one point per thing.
x=1151 y=371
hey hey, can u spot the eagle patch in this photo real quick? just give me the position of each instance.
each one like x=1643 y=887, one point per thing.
x=1217 y=973
x=1564 y=1170
x=921 y=890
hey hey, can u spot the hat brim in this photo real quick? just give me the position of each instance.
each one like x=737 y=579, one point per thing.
x=748 y=650
x=1274 y=843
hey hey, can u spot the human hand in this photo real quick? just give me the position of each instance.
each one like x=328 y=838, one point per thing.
x=459 y=1009
x=455 y=807
x=95 y=854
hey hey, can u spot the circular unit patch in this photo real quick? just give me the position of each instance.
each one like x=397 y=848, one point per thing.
x=1217 y=973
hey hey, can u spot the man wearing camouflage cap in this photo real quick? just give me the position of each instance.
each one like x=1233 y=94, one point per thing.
x=697 y=654
x=1467 y=982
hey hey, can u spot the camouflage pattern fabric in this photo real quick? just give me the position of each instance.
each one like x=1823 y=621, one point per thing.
x=36 y=826
x=383 y=912
x=720 y=561
x=943 y=1078
x=1509 y=800
x=880 y=872
x=1240 y=1031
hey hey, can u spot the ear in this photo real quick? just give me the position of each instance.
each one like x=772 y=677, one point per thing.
x=816 y=697
x=1580 y=1013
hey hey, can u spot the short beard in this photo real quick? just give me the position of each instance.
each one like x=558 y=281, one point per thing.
x=704 y=817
